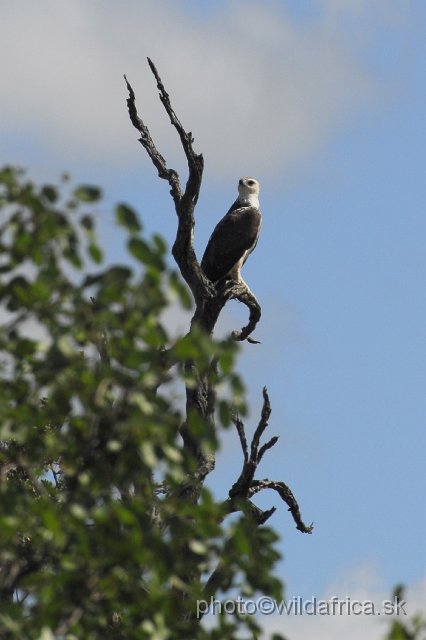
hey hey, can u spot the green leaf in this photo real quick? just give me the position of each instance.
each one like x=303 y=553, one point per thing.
x=87 y=222
x=95 y=253
x=160 y=244
x=224 y=413
x=142 y=252
x=87 y=193
x=127 y=217
x=181 y=289
x=50 y=193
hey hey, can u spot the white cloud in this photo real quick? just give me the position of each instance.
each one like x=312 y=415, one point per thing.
x=362 y=584
x=257 y=88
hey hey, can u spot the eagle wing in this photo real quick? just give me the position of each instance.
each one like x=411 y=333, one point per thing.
x=235 y=236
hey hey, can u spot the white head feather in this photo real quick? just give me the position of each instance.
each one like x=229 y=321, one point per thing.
x=248 y=189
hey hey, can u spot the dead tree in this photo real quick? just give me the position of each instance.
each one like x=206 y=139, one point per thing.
x=209 y=302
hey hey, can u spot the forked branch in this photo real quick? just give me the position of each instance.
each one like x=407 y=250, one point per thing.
x=147 y=142
x=195 y=161
x=246 y=486
x=183 y=249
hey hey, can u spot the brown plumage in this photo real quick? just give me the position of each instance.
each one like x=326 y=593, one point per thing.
x=235 y=236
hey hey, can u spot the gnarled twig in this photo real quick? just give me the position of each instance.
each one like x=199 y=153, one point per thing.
x=285 y=494
x=246 y=487
x=147 y=142
x=243 y=294
x=183 y=249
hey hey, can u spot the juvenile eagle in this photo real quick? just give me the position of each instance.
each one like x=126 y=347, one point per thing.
x=235 y=236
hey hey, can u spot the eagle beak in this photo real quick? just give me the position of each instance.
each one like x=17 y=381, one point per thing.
x=241 y=182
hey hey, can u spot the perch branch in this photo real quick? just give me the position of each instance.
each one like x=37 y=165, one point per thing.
x=243 y=294
x=206 y=315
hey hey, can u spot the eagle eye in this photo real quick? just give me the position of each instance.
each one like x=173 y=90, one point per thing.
x=250 y=183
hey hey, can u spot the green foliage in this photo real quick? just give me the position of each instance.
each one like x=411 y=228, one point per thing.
x=127 y=217
x=413 y=628
x=95 y=538
x=87 y=193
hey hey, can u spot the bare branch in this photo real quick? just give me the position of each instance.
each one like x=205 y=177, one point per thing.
x=195 y=161
x=242 y=486
x=246 y=486
x=267 y=446
x=240 y=428
x=249 y=299
x=146 y=141
x=183 y=249
x=263 y=423
x=259 y=515
x=287 y=496
x=207 y=314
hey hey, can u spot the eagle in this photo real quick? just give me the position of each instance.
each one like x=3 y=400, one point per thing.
x=235 y=236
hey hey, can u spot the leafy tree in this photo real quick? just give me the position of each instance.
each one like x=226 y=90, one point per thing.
x=412 y=629
x=106 y=527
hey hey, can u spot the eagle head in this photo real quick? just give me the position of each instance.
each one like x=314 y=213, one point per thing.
x=248 y=187
x=248 y=192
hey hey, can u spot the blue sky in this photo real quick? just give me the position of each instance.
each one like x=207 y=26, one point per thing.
x=324 y=102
